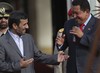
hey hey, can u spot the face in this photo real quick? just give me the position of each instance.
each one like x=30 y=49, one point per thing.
x=79 y=15
x=21 y=29
x=3 y=22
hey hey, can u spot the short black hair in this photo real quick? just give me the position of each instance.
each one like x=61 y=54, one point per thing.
x=84 y=4
x=15 y=17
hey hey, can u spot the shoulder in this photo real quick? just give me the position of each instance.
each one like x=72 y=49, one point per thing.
x=27 y=36
x=93 y=18
x=70 y=23
x=3 y=39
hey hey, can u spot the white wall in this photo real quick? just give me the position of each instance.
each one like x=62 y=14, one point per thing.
x=44 y=24
x=93 y=3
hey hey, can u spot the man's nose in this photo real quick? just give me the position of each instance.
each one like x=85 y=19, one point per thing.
x=27 y=26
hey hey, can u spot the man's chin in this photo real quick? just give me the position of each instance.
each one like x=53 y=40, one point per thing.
x=78 y=21
x=3 y=26
x=23 y=33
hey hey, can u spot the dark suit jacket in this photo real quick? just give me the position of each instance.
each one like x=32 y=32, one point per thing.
x=10 y=55
x=80 y=49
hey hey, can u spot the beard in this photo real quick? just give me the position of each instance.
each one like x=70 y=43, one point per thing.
x=20 y=33
x=3 y=25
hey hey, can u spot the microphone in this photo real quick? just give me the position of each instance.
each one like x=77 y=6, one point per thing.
x=74 y=37
x=59 y=35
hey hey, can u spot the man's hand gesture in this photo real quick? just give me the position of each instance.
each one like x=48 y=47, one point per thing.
x=62 y=57
x=24 y=63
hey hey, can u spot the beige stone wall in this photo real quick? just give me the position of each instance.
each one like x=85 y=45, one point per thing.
x=41 y=24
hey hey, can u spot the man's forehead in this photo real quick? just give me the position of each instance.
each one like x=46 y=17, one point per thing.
x=76 y=8
x=24 y=20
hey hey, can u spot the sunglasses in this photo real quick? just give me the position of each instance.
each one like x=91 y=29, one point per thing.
x=4 y=18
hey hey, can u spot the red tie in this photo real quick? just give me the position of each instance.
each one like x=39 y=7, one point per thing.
x=81 y=26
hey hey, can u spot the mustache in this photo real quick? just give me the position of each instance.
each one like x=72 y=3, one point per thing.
x=3 y=22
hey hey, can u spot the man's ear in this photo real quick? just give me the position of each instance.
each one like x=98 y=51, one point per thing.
x=88 y=11
x=14 y=26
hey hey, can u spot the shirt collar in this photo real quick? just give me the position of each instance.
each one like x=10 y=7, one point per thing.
x=88 y=19
x=14 y=35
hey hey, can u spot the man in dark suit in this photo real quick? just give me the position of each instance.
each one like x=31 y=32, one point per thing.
x=78 y=36
x=5 y=10
x=18 y=51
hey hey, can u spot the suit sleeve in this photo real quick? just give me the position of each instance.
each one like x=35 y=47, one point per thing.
x=5 y=65
x=87 y=40
x=42 y=57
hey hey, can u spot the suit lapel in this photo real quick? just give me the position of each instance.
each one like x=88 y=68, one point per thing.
x=13 y=44
x=25 y=46
x=90 y=24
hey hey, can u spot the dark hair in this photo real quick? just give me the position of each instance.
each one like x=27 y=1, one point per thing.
x=84 y=4
x=15 y=17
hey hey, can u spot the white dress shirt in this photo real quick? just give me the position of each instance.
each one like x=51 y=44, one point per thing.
x=18 y=40
x=87 y=21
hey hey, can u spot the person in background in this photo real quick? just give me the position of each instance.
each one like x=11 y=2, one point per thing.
x=58 y=68
x=20 y=51
x=78 y=37
x=70 y=14
x=5 y=10
x=61 y=68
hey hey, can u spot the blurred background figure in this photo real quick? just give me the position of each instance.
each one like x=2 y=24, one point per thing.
x=70 y=13
x=61 y=68
x=5 y=10
x=94 y=55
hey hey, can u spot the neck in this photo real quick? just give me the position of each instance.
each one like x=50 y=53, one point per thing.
x=86 y=18
x=14 y=32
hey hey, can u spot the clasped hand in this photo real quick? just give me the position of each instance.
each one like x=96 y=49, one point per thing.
x=60 y=39
x=76 y=31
